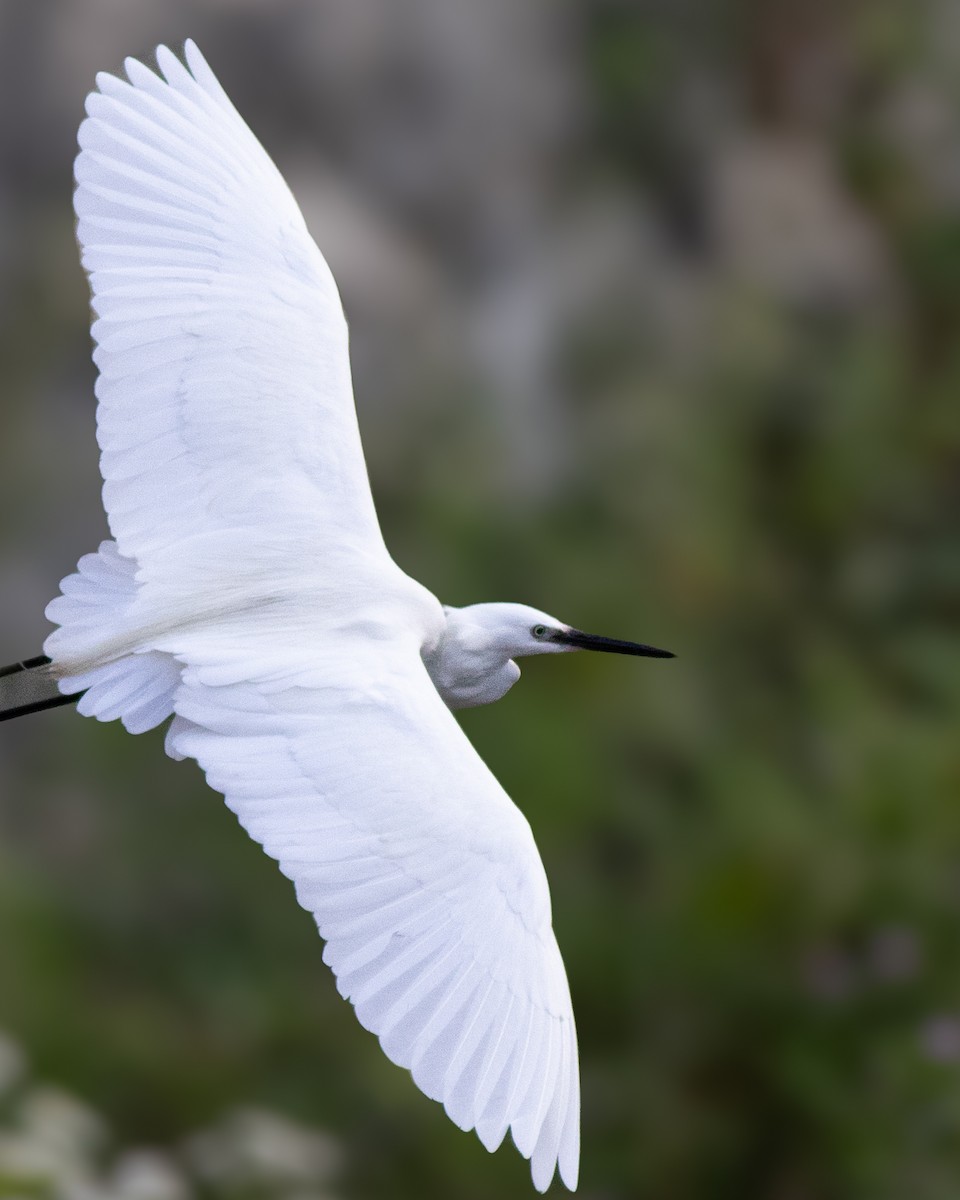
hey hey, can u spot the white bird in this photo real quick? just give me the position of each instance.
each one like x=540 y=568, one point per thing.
x=247 y=593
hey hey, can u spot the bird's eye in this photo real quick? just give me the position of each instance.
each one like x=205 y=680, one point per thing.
x=539 y=631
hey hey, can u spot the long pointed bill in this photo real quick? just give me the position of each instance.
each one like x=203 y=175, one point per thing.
x=593 y=641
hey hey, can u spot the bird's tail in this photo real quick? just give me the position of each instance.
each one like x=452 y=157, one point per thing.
x=29 y=687
x=134 y=685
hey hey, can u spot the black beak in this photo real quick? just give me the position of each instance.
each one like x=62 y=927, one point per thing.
x=593 y=641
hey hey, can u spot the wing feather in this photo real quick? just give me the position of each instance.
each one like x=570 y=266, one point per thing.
x=422 y=877
x=221 y=341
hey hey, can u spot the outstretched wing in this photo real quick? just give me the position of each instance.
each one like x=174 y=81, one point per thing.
x=422 y=875
x=228 y=433
x=225 y=400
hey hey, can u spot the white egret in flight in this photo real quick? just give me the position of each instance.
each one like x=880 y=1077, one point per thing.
x=247 y=593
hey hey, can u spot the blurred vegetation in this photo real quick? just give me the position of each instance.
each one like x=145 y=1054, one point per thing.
x=53 y=1145
x=736 y=434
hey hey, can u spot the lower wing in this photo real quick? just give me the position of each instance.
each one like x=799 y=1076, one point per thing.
x=422 y=875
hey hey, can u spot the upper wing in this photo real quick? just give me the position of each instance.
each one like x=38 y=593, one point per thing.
x=224 y=389
x=422 y=875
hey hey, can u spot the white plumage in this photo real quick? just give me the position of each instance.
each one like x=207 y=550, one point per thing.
x=248 y=591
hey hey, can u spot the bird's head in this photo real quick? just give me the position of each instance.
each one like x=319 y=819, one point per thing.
x=519 y=630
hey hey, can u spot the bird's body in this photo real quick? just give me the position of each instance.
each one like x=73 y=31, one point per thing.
x=247 y=593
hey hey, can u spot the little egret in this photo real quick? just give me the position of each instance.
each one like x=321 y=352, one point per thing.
x=247 y=593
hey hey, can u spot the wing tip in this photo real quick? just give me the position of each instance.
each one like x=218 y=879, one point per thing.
x=168 y=67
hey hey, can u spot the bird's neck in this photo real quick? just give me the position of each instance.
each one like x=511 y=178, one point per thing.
x=468 y=667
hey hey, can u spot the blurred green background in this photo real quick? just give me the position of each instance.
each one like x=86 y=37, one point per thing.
x=654 y=313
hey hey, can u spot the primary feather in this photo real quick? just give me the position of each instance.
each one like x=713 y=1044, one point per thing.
x=248 y=590
x=224 y=391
